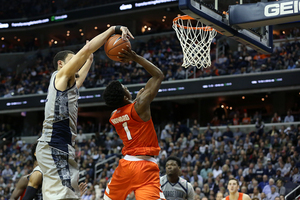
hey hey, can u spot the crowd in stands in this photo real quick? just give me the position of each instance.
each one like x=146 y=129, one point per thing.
x=166 y=53
x=266 y=163
x=25 y=9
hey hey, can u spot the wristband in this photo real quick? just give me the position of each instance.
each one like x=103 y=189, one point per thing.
x=118 y=29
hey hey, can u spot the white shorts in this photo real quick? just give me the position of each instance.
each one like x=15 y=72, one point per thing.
x=60 y=172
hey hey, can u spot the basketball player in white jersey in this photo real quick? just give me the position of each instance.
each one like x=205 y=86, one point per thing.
x=173 y=186
x=55 y=151
x=30 y=186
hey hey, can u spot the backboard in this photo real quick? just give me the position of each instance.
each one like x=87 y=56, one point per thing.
x=215 y=13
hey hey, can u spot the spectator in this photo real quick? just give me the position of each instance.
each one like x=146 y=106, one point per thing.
x=273 y=131
x=228 y=135
x=263 y=196
x=81 y=138
x=273 y=194
x=199 y=192
x=195 y=128
x=289 y=117
x=265 y=182
x=259 y=125
x=217 y=171
x=280 y=188
x=259 y=171
x=270 y=171
x=253 y=184
x=256 y=115
x=295 y=175
x=217 y=133
x=275 y=118
x=246 y=119
x=219 y=196
x=204 y=172
x=224 y=121
x=235 y=120
x=196 y=178
x=7 y=173
x=215 y=121
x=267 y=189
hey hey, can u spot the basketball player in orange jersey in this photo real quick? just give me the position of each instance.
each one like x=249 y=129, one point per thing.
x=233 y=187
x=138 y=170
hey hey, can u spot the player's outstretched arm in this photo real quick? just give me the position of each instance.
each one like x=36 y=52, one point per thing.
x=20 y=188
x=153 y=84
x=79 y=59
x=82 y=73
x=35 y=181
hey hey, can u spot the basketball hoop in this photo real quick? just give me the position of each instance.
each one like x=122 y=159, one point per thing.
x=195 y=39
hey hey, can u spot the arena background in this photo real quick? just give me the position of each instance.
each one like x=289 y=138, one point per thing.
x=239 y=81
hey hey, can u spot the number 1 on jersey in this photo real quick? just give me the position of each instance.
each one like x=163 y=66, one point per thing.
x=127 y=131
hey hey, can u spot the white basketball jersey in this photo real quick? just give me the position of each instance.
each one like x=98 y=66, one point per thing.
x=182 y=190
x=60 y=124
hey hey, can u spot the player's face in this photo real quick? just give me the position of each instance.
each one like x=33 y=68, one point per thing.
x=172 y=168
x=68 y=58
x=232 y=186
x=127 y=93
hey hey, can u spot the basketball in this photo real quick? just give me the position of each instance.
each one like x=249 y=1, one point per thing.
x=114 y=45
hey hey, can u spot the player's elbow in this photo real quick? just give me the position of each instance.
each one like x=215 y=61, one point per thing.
x=87 y=50
x=161 y=76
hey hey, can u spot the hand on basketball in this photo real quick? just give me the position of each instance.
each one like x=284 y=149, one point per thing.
x=126 y=33
x=127 y=55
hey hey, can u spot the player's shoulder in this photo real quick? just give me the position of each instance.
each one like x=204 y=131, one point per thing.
x=163 y=178
x=246 y=197
x=37 y=168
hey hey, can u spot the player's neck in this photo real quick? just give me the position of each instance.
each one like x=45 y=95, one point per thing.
x=234 y=196
x=173 y=179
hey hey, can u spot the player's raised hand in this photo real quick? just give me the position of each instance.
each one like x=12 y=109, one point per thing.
x=126 y=33
x=127 y=55
x=82 y=188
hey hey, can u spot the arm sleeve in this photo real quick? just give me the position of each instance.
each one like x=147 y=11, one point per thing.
x=191 y=193
x=30 y=193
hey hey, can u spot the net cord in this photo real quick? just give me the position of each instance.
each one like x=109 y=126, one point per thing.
x=195 y=41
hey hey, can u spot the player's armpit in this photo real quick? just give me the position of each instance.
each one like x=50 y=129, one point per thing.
x=36 y=179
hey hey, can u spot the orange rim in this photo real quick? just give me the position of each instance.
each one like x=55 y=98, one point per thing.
x=187 y=17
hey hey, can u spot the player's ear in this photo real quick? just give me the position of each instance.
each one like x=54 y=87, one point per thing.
x=59 y=64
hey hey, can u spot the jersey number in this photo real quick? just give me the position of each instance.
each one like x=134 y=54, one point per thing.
x=127 y=131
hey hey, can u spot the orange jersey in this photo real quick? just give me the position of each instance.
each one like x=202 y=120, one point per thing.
x=21 y=197
x=139 y=137
x=240 y=197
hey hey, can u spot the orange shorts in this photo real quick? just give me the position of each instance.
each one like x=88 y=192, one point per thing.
x=133 y=174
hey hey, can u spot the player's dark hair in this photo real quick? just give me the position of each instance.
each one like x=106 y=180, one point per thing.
x=113 y=94
x=175 y=159
x=62 y=55
x=33 y=149
x=234 y=179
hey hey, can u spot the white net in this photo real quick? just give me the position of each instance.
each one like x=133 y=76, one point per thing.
x=195 y=40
